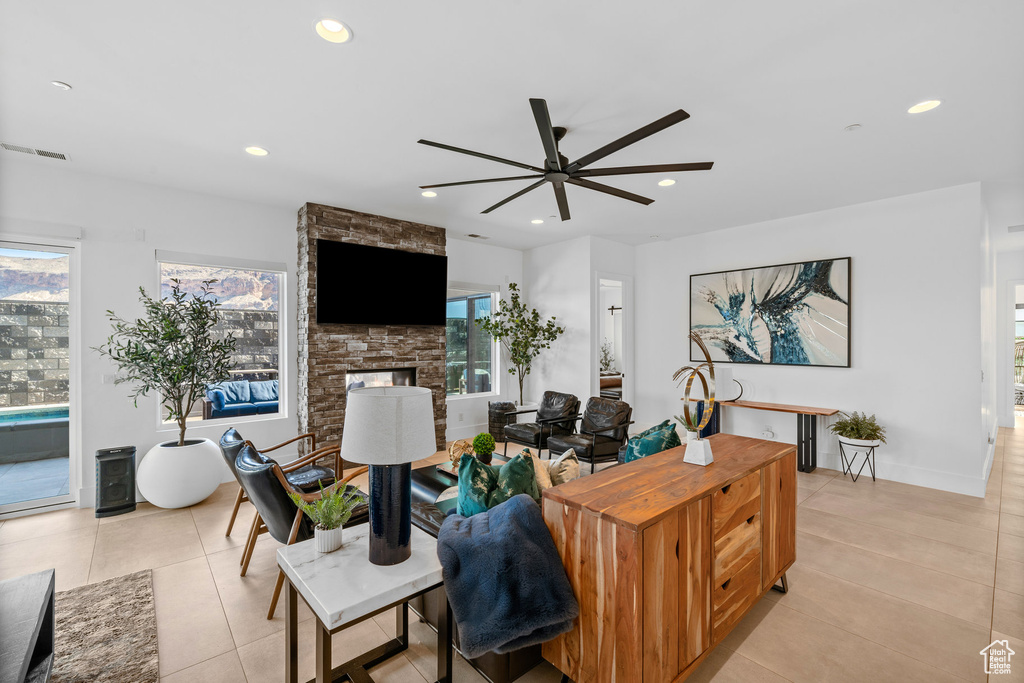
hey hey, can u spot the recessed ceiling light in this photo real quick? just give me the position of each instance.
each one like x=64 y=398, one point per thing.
x=333 y=31
x=666 y=182
x=60 y=84
x=927 y=105
x=429 y=193
x=257 y=151
x=537 y=221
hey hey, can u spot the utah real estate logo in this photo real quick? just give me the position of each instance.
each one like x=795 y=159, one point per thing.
x=997 y=657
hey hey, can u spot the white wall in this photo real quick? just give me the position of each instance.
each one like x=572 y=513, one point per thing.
x=489 y=267
x=39 y=199
x=915 y=322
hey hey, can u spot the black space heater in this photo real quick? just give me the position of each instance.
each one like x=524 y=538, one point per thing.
x=115 y=481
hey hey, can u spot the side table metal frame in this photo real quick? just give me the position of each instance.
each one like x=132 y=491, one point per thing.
x=869 y=458
x=356 y=670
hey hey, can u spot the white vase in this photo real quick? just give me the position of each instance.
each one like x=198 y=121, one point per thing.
x=173 y=476
x=327 y=540
x=698 y=450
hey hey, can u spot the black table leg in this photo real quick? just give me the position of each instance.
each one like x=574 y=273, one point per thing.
x=444 y=639
x=807 y=442
x=291 y=633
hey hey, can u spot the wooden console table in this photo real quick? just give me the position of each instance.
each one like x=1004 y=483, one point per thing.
x=666 y=557
x=806 y=427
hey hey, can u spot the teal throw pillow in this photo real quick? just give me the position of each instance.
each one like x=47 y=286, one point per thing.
x=476 y=482
x=515 y=477
x=650 y=442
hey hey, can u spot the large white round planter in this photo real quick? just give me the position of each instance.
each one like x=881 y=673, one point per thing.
x=173 y=476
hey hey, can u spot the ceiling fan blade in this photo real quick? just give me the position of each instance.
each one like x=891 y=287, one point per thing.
x=627 y=140
x=547 y=133
x=506 y=200
x=481 y=155
x=476 y=182
x=657 y=168
x=590 y=185
x=563 y=201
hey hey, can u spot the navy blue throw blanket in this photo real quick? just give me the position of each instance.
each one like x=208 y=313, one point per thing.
x=504 y=579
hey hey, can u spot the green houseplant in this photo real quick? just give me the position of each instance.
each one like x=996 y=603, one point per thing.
x=483 y=447
x=328 y=514
x=859 y=429
x=174 y=351
x=521 y=333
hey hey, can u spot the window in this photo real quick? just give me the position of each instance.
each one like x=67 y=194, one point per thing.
x=470 y=350
x=250 y=310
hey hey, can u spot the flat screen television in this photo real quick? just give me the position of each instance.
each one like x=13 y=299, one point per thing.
x=361 y=285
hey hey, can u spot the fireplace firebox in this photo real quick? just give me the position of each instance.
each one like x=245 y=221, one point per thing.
x=400 y=377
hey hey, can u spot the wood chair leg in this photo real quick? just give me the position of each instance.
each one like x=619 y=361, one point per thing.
x=248 y=539
x=234 y=511
x=277 y=594
x=253 y=535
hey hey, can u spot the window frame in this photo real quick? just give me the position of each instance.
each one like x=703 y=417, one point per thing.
x=281 y=270
x=496 y=365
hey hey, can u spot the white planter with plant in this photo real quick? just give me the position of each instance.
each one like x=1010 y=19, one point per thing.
x=329 y=513
x=172 y=350
x=862 y=434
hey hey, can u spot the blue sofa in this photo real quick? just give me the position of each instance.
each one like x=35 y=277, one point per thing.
x=235 y=399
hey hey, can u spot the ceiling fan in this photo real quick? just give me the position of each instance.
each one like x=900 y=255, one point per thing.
x=557 y=170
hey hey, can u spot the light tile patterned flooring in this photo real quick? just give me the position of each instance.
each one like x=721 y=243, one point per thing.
x=892 y=583
x=32 y=479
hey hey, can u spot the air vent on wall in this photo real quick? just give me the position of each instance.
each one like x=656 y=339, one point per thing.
x=478 y=237
x=35 y=152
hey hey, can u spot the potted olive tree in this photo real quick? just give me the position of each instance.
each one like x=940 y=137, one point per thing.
x=521 y=333
x=173 y=351
x=328 y=514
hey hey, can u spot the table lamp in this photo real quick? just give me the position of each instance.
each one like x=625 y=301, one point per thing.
x=388 y=428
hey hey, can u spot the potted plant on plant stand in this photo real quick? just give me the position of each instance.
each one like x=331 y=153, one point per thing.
x=860 y=434
x=328 y=514
x=172 y=350
x=521 y=333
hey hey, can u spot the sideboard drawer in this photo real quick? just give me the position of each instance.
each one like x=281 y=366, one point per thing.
x=738 y=547
x=733 y=505
x=732 y=597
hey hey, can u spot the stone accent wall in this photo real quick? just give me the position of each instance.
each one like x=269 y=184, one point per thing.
x=327 y=352
x=33 y=353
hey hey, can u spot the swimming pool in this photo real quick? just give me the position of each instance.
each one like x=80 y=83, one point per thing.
x=22 y=414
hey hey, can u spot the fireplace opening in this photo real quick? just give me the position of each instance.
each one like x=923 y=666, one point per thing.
x=402 y=377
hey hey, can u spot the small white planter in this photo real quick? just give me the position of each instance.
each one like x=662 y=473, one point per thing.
x=860 y=444
x=698 y=450
x=327 y=540
x=173 y=476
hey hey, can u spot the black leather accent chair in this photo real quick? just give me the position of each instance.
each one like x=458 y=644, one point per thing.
x=267 y=486
x=556 y=416
x=603 y=430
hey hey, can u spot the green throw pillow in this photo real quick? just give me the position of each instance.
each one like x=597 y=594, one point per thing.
x=481 y=486
x=476 y=481
x=515 y=477
x=651 y=441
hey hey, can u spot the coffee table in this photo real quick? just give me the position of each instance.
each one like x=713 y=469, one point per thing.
x=343 y=588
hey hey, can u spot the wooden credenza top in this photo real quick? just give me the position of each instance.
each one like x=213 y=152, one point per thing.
x=781 y=407
x=639 y=493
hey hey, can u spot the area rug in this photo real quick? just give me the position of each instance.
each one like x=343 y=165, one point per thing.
x=107 y=632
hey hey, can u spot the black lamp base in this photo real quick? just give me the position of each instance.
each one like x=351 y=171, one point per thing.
x=390 y=513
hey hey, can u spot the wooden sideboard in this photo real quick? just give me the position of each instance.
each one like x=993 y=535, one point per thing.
x=666 y=557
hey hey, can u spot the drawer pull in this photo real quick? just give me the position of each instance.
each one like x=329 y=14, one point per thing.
x=726 y=584
x=725 y=489
x=750 y=520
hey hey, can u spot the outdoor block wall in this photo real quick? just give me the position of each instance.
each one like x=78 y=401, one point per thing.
x=33 y=353
x=256 y=338
x=327 y=352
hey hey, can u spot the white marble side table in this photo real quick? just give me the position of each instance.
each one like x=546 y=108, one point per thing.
x=342 y=588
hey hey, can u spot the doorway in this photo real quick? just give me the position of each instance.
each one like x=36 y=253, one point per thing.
x=612 y=327
x=35 y=376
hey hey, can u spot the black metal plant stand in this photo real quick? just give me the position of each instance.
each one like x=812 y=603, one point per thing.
x=849 y=462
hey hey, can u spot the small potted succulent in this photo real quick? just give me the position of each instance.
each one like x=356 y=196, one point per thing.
x=483 y=446
x=328 y=514
x=859 y=430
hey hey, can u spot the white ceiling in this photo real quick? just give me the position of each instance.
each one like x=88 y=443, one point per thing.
x=170 y=93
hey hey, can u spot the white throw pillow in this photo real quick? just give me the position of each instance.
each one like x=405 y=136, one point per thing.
x=540 y=470
x=565 y=467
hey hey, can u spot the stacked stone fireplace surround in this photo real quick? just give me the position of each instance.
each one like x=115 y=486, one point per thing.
x=328 y=352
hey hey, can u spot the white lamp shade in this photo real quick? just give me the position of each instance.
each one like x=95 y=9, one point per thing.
x=388 y=425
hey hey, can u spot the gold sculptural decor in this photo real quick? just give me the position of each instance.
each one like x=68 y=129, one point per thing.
x=458 y=449
x=698 y=451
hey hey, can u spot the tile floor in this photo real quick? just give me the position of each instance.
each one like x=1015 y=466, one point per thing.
x=33 y=479
x=892 y=583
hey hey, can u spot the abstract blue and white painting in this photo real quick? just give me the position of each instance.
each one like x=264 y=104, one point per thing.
x=793 y=314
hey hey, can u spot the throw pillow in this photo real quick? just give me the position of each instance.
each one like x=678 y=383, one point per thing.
x=565 y=467
x=263 y=391
x=514 y=477
x=540 y=470
x=234 y=392
x=652 y=442
x=476 y=481
x=217 y=397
